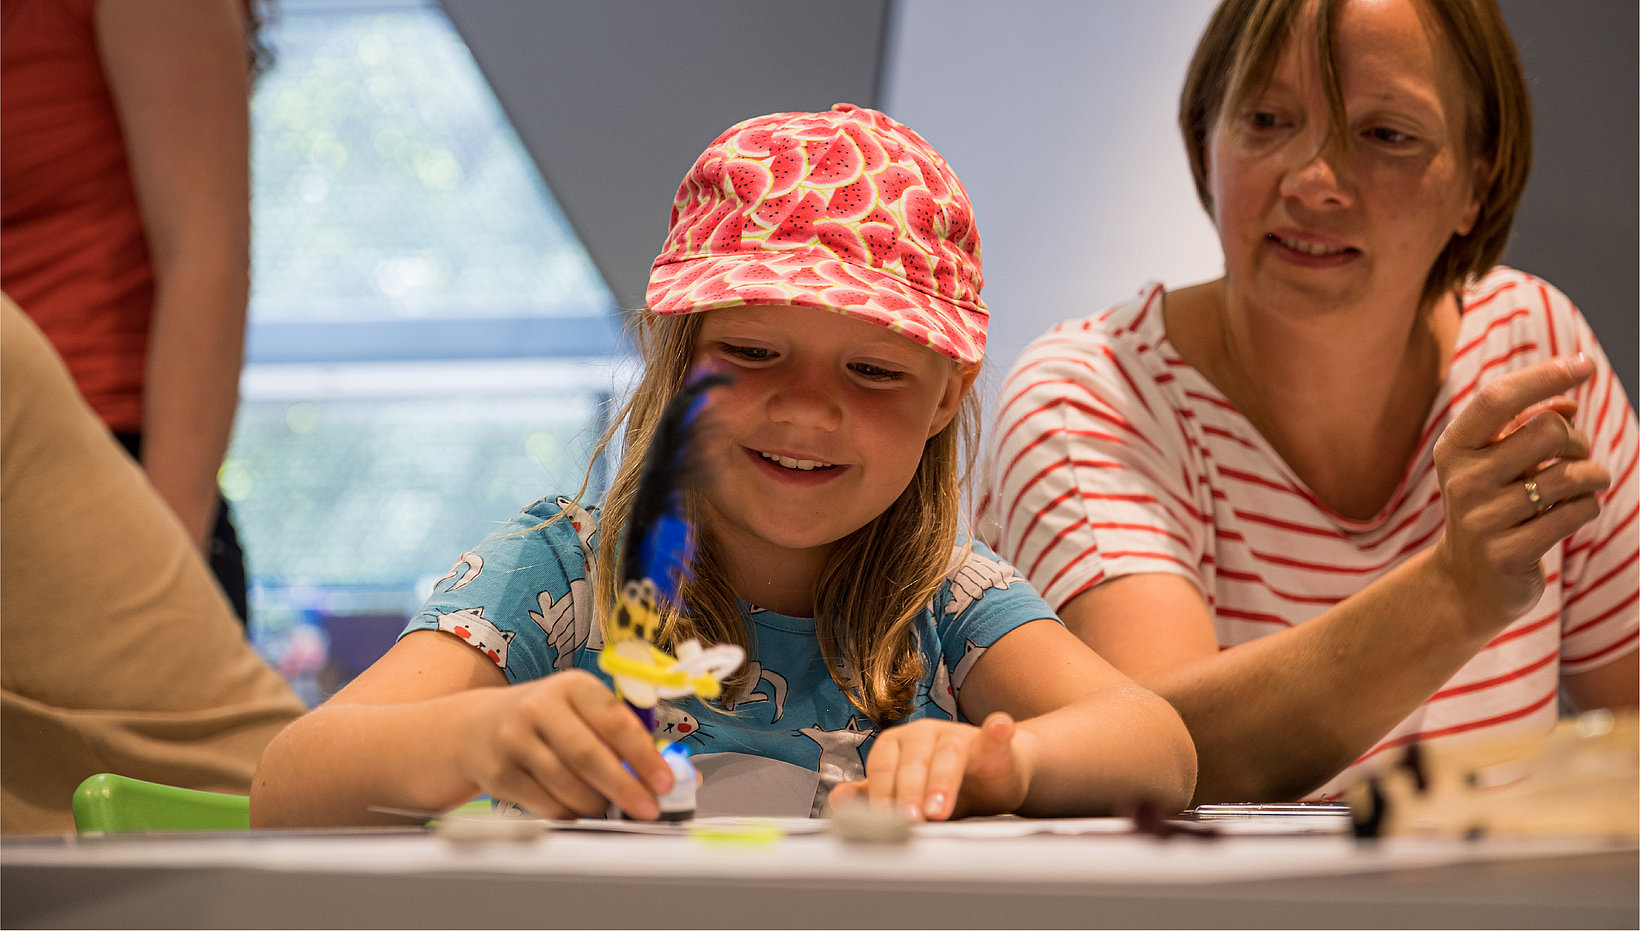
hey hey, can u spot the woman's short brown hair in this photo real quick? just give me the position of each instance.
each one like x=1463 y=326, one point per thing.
x=1238 y=51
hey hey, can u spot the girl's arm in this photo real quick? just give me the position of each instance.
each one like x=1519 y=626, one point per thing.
x=1091 y=740
x=1087 y=740
x=434 y=723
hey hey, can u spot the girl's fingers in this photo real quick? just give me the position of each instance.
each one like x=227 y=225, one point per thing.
x=574 y=763
x=997 y=729
x=1499 y=402
x=945 y=774
x=845 y=791
x=911 y=775
x=523 y=788
x=601 y=735
x=558 y=782
x=618 y=728
x=882 y=769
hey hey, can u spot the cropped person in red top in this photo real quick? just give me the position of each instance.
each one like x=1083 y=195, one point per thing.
x=125 y=225
x=1367 y=488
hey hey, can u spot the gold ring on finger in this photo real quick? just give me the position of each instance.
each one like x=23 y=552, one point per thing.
x=1535 y=498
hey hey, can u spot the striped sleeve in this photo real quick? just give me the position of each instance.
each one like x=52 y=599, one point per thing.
x=1094 y=475
x=1600 y=574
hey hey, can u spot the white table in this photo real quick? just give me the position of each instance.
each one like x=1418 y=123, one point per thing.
x=1089 y=874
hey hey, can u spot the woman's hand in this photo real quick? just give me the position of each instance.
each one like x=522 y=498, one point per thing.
x=556 y=746
x=941 y=769
x=1515 y=480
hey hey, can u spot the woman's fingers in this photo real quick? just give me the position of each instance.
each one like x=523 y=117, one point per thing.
x=1516 y=478
x=1499 y=402
x=1553 y=486
x=1538 y=443
x=1565 y=406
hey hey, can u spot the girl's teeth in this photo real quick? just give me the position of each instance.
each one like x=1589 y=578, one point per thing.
x=805 y=465
x=1310 y=248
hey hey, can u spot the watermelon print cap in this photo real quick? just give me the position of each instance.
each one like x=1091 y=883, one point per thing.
x=844 y=210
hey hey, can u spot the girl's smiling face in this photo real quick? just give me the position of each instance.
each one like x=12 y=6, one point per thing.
x=822 y=429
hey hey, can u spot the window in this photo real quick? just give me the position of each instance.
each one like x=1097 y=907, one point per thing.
x=430 y=346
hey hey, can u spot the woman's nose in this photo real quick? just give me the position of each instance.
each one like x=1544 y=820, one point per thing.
x=1319 y=179
x=806 y=399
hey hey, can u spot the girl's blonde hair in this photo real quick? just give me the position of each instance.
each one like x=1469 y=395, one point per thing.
x=878 y=580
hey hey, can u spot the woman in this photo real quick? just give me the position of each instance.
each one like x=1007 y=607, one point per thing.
x=1365 y=488
x=125 y=225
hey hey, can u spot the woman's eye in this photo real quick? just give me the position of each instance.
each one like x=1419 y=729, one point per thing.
x=1263 y=119
x=876 y=372
x=1388 y=136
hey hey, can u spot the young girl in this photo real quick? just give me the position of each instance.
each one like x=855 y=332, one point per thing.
x=828 y=263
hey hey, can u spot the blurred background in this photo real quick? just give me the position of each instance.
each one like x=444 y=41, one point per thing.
x=454 y=203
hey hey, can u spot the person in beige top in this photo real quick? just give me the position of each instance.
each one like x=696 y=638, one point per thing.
x=118 y=652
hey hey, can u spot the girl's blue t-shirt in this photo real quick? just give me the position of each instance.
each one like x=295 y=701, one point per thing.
x=524 y=597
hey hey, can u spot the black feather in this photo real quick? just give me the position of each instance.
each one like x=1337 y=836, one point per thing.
x=659 y=541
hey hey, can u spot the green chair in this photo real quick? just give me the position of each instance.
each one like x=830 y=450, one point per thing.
x=114 y=804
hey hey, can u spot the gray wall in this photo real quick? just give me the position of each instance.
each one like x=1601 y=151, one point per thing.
x=615 y=98
x=1057 y=114
x=1577 y=225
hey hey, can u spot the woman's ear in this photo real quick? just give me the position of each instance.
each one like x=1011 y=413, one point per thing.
x=1477 y=193
x=962 y=379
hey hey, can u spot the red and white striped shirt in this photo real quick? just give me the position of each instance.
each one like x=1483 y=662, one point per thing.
x=1114 y=456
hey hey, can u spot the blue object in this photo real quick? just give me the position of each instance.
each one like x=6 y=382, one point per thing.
x=678 y=804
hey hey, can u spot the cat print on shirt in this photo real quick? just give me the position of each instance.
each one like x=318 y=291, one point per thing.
x=474 y=564
x=940 y=691
x=947 y=682
x=469 y=624
x=959 y=673
x=674 y=724
x=840 y=759
x=747 y=692
x=976 y=575
x=586 y=527
x=568 y=622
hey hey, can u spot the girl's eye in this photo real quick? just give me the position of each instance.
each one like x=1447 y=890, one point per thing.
x=746 y=353
x=876 y=372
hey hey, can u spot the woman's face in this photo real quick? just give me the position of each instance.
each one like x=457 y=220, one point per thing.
x=822 y=429
x=1314 y=230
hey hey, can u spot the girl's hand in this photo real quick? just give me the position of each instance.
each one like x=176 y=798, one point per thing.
x=941 y=769
x=556 y=745
x=1514 y=439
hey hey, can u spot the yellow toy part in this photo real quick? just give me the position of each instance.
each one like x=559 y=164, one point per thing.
x=644 y=674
